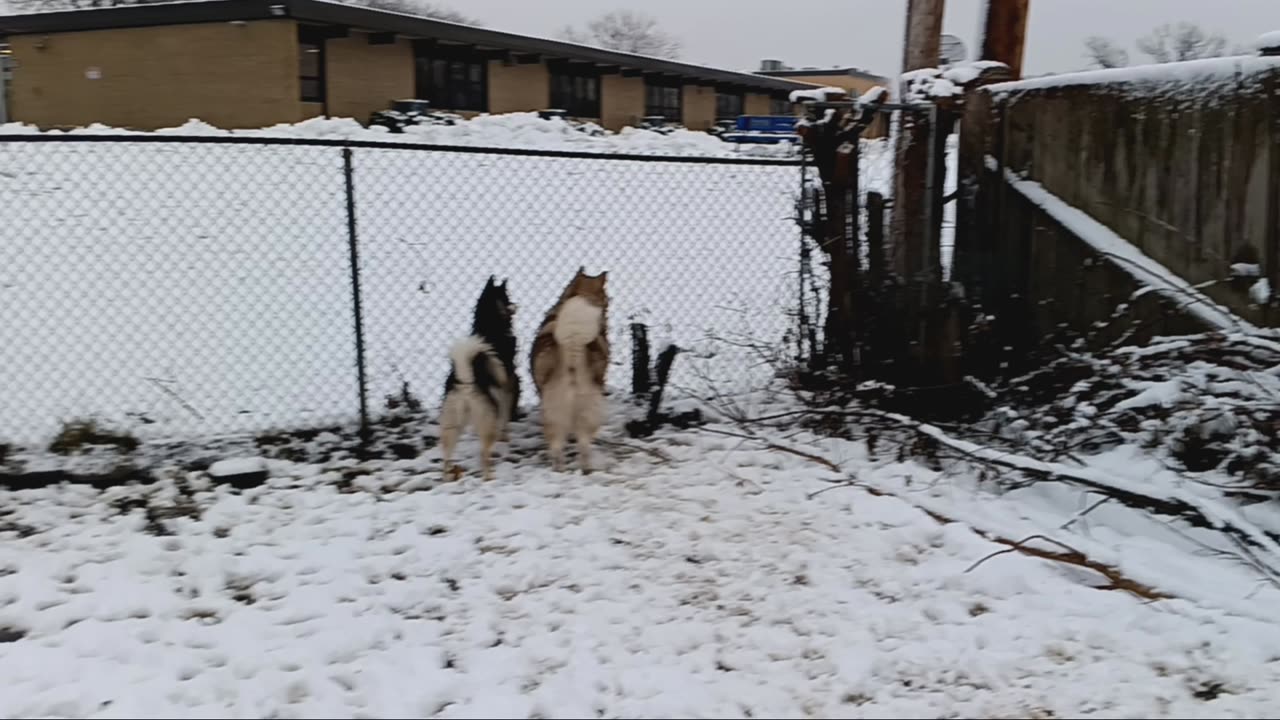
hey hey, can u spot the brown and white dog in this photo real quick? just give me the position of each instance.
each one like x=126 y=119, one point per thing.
x=569 y=359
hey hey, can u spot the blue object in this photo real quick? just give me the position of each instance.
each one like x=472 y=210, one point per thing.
x=763 y=129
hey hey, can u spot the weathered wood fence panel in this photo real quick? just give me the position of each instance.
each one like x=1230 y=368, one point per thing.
x=1180 y=160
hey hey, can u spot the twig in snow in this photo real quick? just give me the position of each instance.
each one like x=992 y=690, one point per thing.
x=1080 y=515
x=1072 y=556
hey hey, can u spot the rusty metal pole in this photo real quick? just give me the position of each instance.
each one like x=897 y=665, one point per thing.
x=1004 y=35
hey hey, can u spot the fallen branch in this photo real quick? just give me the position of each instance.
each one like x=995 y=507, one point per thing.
x=1198 y=512
x=1071 y=556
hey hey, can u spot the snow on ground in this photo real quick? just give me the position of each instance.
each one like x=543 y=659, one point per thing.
x=695 y=576
x=176 y=289
x=523 y=130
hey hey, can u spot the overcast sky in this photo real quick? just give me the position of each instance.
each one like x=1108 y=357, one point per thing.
x=737 y=34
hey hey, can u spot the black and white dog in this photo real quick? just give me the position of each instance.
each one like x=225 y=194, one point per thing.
x=482 y=390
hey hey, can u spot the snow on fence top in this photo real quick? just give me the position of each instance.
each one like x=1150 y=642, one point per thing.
x=928 y=84
x=1269 y=43
x=513 y=130
x=1157 y=79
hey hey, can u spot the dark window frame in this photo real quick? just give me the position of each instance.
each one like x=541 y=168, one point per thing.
x=730 y=105
x=781 y=106
x=575 y=90
x=312 y=88
x=664 y=97
x=450 y=79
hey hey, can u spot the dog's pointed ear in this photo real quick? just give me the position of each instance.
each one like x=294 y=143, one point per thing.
x=504 y=283
x=489 y=284
x=604 y=275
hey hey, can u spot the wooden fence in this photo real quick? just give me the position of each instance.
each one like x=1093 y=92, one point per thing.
x=1061 y=178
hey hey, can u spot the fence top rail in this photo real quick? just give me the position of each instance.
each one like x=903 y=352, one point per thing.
x=379 y=145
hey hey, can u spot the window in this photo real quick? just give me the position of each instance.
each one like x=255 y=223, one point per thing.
x=575 y=91
x=311 y=64
x=450 y=79
x=663 y=98
x=728 y=105
x=781 y=106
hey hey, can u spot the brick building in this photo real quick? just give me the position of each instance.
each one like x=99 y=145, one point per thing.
x=252 y=63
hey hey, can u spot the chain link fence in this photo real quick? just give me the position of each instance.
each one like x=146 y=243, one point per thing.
x=180 y=286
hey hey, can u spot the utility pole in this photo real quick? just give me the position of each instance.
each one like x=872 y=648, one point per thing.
x=1004 y=35
x=915 y=225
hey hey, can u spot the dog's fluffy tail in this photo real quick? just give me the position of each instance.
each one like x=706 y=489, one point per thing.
x=471 y=365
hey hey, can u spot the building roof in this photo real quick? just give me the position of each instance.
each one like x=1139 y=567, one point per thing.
x=822 y=72
x=380 y=21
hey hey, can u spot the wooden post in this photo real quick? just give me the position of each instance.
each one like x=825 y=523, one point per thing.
x=875 y=240
x=924 y=34
x=916 y=263
x=1005 y=33
x=640 y=380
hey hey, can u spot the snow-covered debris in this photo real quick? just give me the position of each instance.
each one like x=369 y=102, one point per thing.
x=818 y=94
x=1260 y=292
x=1269 y=43
x=874 y=96
x=1246 y=270
x=926 y=85
x=237 y=466
x=932 y=84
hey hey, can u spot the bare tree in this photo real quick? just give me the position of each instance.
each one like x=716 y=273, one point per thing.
x=1184 y=41
x=626 y=31
x=1105 y=53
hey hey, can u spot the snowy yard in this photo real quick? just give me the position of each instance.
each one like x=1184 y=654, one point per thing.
x=748 y=568
x=696 y=576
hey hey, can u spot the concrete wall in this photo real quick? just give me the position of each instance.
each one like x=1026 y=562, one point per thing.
x=364 y=78
x=699 y=107
x=621 y=101
x=518 y=88
x=229 y=75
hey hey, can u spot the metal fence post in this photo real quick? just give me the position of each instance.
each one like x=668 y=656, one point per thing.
x=353 y=244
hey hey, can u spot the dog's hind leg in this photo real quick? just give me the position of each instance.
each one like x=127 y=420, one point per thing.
x=587 y=421
x=557 y=436
x=453 y=418
x=488 y=436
